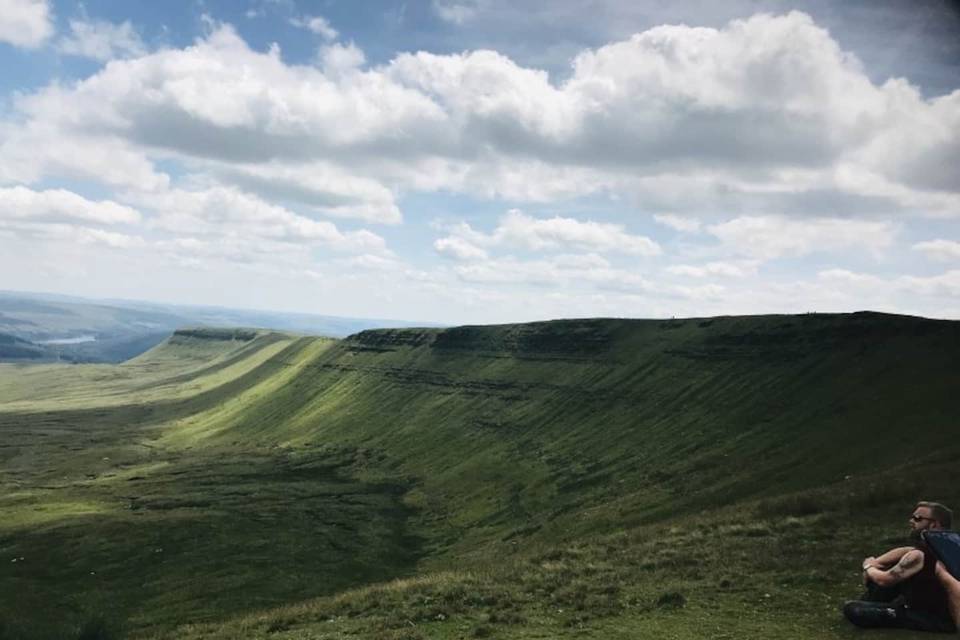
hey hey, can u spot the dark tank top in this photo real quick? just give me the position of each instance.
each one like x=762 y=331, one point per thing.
x=923 y=591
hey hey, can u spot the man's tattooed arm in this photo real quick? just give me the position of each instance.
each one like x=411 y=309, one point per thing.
x=908 y=565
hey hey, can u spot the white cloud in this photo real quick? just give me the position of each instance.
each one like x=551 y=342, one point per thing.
x=109 y=238
x=944 y=285
x=769 y=237
x=459 y=249
x=57 y=205
x=25 y=23
x=580 y=274
x=37 y=149
x=943 y=250
x=518 y=230
x=62 y=234
x=317 y=24
x=219 y=210
x=560 y=272
x=846 y=276
x=372 y=262
x=457 y=12
x=677 y=223
x=702 y=293
x=102 y=40
x=765 y=125
x=764 y=114
x=739 y=269
x=338 y=59
x=230 y=248
x=324 y=187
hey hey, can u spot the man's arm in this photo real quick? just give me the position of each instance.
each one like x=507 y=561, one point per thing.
x=909 y=565
x=888 y=559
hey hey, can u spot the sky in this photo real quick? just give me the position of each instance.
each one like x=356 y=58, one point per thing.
x=484 y=161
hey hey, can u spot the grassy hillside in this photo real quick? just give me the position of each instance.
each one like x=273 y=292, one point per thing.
x=600 y=478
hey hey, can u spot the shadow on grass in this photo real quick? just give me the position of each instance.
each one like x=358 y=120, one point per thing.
x=208 y=537
x=90 y=627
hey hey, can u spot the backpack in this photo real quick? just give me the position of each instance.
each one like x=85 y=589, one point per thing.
x=946 y=546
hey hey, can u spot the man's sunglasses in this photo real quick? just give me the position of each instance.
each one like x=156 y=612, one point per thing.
x=917 y=518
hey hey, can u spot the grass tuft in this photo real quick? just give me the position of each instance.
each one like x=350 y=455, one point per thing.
x=671 y=600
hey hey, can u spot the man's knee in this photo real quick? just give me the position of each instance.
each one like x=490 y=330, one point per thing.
x=869 y=614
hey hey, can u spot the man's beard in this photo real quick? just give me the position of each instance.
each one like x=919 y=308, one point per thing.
x=916 y=537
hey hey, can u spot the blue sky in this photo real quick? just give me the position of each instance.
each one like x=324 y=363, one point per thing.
x=482 y=160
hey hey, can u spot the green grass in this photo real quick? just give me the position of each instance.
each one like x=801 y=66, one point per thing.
x=595 y=478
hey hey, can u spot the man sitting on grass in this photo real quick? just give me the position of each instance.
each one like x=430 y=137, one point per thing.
x=904 y=588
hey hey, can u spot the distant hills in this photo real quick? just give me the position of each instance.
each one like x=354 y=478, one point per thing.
x=48 y=328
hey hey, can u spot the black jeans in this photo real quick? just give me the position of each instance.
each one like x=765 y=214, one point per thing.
x=882 y=607
x=887 y=614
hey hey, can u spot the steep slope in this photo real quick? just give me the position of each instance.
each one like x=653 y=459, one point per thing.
x=582 y=426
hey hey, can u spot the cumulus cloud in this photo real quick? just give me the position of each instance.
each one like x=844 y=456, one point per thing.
x=338 y=59
x=767 y=113
x=222 y=210
x=67 y=234
x=459 y=249
x=37 y=149
x=102 y=40
x=677 y=223
x=942 y=250
x=63 y=217
x=519 y=230
x=317 y=24
x=560 y=271
x=769 y=237
x=109 y=238
x=455 y=12
x=373 y=262
x=764 y=125
x=581 y=273
x=943 y=285
x=846 y=276
x=324 y=187
x=57 y=205
x=740 y=269
x=25 y=23
x=231 y=248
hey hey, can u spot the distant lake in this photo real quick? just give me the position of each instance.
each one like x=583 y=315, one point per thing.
x=77 y=340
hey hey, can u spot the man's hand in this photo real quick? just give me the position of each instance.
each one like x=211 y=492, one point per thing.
x=869 y=562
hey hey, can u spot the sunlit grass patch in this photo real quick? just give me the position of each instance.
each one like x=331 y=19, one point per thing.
x=47 y=512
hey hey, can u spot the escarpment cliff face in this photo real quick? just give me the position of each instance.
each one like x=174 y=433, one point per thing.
x=588 y=337
x=527 y=428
